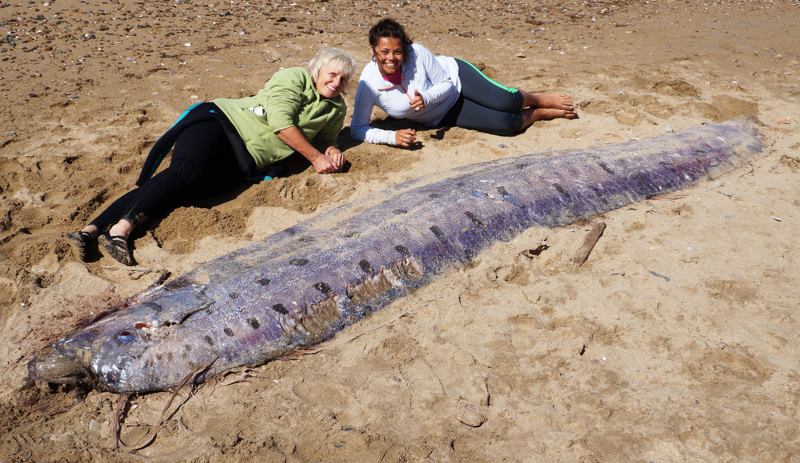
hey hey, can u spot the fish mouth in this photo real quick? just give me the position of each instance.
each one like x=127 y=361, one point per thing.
x=55 y=366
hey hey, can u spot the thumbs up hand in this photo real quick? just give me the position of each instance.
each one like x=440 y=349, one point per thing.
x=417 y=103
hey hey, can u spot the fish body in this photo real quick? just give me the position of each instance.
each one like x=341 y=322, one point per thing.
x=301 y=285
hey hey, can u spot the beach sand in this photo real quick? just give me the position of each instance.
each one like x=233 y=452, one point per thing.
x=676 y=341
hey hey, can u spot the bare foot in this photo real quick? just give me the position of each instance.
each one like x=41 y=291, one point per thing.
x=549 y=100
x=531 y=115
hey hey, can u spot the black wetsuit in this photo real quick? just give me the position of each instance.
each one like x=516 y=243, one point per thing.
x=208 y=158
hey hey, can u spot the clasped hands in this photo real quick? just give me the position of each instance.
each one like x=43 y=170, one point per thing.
x=331 y=161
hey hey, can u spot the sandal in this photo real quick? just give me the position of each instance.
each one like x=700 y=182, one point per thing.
x=117 y=247
x=78 y=241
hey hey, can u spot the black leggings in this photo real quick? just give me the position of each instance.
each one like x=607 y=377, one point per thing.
x=484 y=104
x=203 y=164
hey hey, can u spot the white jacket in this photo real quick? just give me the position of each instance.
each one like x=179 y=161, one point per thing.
x=436 y=79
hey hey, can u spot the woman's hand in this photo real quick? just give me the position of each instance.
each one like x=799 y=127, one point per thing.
x=418 y=104
x=336 y=157
x=323 y=164
x=405 y=137
x=329 y=162
x=332 y=160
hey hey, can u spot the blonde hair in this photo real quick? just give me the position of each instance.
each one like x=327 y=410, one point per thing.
x=344 y=64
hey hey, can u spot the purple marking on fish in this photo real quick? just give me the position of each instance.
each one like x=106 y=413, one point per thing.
x=301 y=285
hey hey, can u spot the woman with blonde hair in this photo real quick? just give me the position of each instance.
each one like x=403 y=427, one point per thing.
x=221 y=143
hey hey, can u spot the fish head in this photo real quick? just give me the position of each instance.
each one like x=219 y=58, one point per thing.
x=93 y=356
x=111 y=353
x=97 y=355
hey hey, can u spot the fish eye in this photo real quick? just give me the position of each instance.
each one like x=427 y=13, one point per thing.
x=126 y=336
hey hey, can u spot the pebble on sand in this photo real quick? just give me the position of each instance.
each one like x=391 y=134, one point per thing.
x=469 y=416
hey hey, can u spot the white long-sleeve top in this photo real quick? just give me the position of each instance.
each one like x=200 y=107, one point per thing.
x=436 y=79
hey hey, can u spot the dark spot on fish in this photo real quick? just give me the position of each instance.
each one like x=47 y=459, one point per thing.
x=437 y=232
x=291 y=231
x=400 y=211
x=280 y=309
x=460 y=184
x=159 y=356
x=366 y=267
x=298 y=262
x=521 y=166
x=434 y=195
x=307 y=239
x=169 y=355
x=350 y=234
x=187 y=347
x=469 y=253
x=254 y=323
x=208 y=339
x=228 y=331
x=263 y=281
x=402 y=250
x=178 y=283
x=324 y=288
x=605 y=167
x=502 y=190
x=561 y=190
x=233 y=295
x=474 y=219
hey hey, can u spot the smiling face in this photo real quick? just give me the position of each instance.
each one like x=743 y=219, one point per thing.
x=388 y=55
x=331 y=82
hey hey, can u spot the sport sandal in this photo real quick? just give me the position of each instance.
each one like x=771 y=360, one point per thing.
x=117 y=247
x=78 y=241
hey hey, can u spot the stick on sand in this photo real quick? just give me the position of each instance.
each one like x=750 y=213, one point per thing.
x=588 y=243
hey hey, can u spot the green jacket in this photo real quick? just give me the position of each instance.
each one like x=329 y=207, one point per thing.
x=289 y=98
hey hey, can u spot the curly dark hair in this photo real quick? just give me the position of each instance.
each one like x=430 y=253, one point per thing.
x=390 y=28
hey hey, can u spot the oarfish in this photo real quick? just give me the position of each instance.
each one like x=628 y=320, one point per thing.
x=303 y=284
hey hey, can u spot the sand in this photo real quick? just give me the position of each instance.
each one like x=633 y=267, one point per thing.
x=676 y=341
